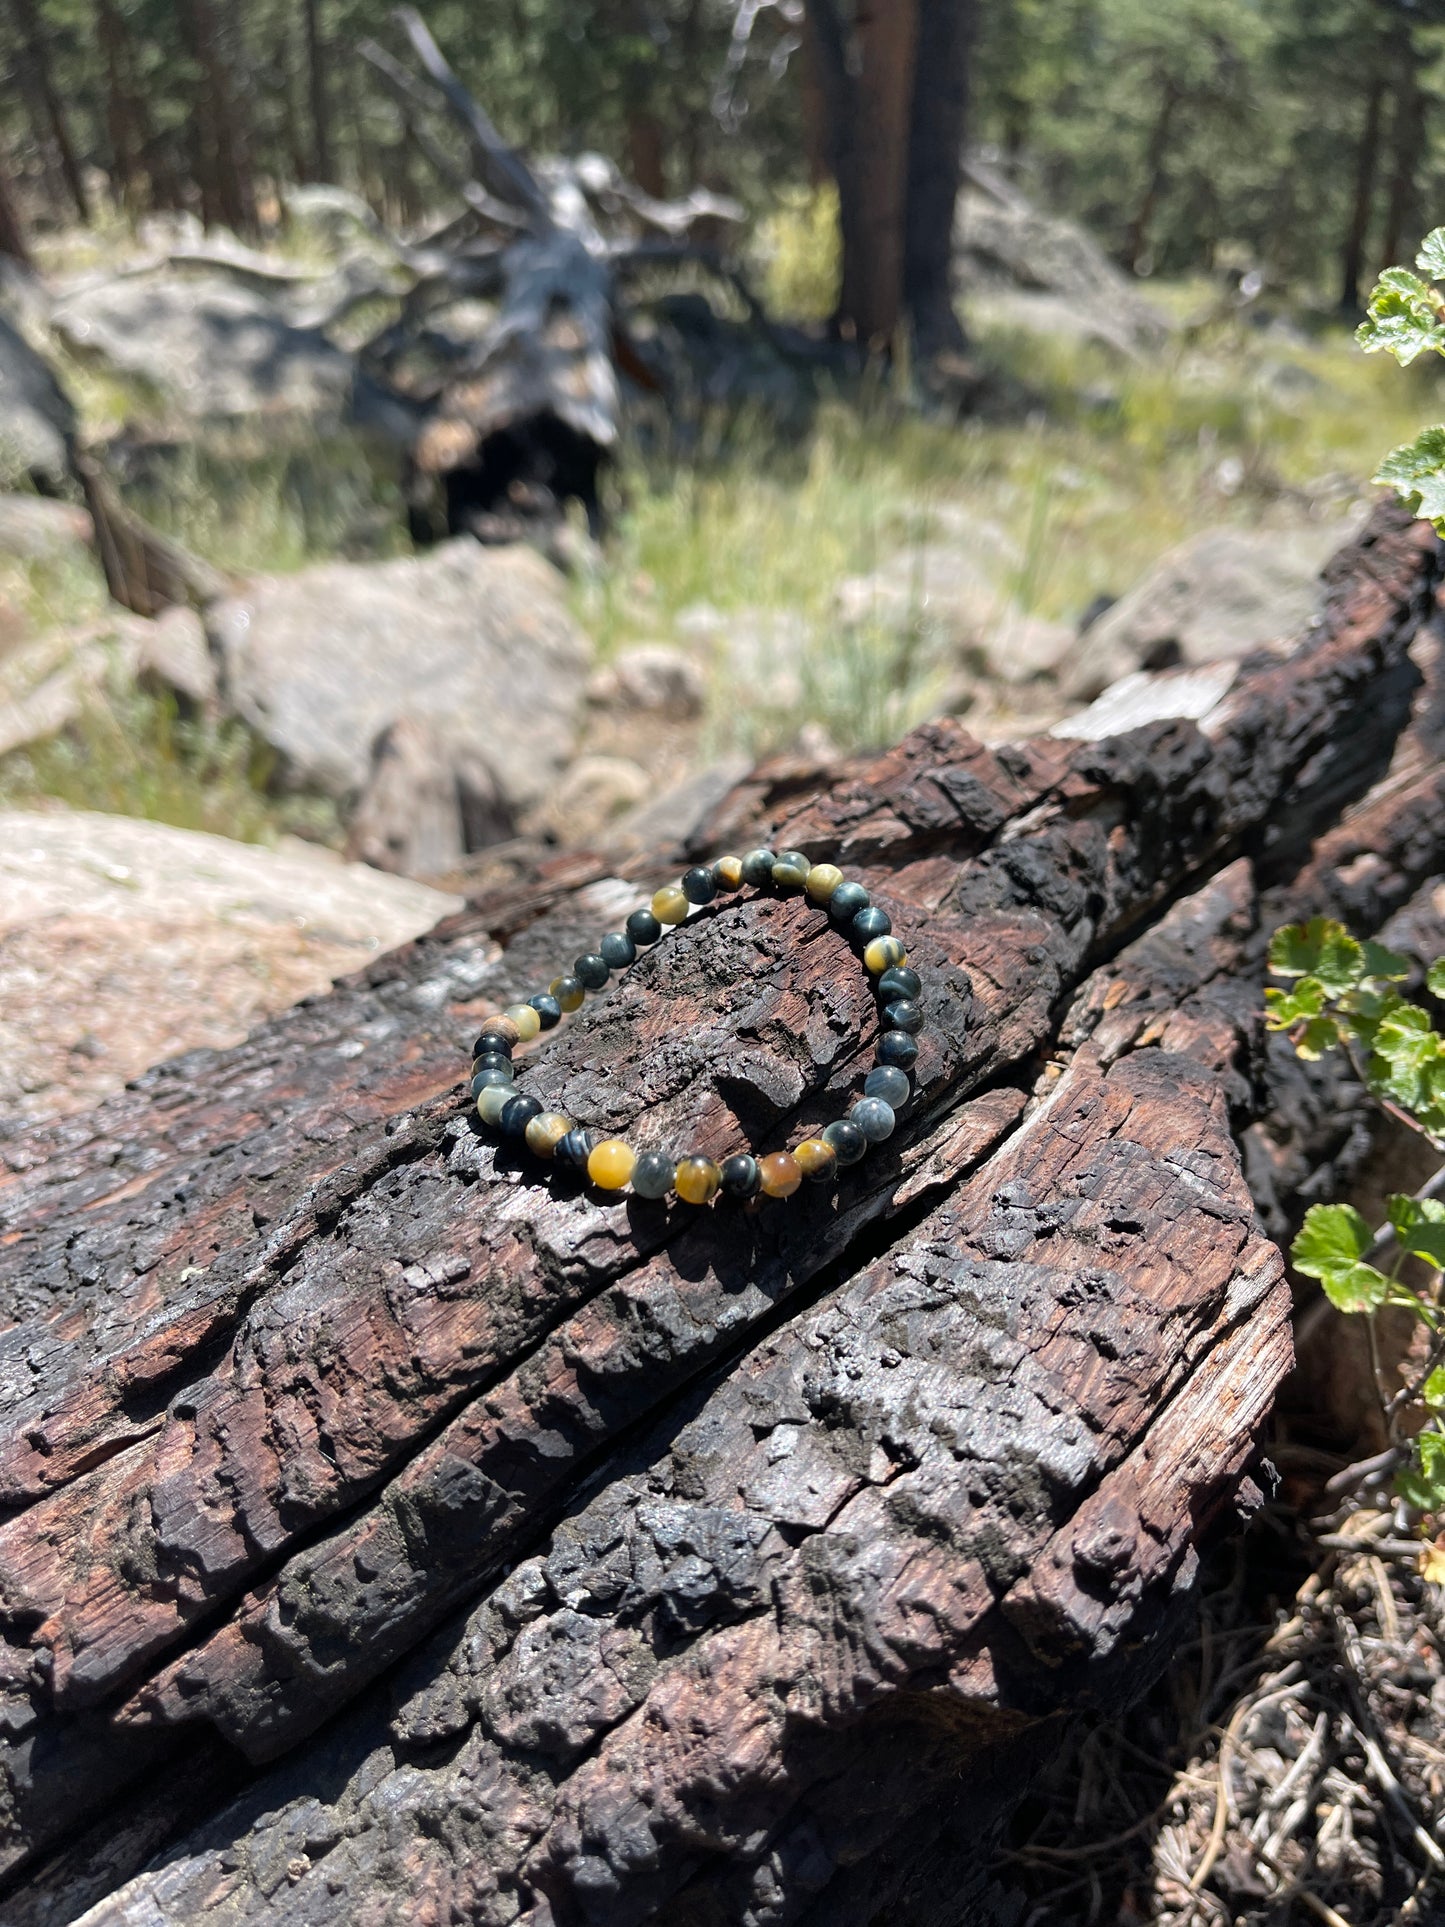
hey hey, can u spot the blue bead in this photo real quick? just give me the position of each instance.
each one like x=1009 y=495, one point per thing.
x=547 y=1008
x=873 y=1117
x=517 y=1115
x=898 y=982
x=643 y=928
x=699 y=885
x=575 y=1148
x=889 y=1083
x=741 y=1177
x=486 y=1080
x=846 y=901
x=591 y=970
x=897 y=1047
x=903 y=1015
x=758 y=866
x=847 y=1139
x=617 y=951
x=870 y=923
x=652 y=1174
x=490 y=1041
x=491 y=1060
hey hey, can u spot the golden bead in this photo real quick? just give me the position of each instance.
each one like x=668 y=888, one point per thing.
x=526 y=1019
x=781 y=1174
x=669 y=905
x=568 y=992
x=884 y=953
x=609 y=1165
x=823 y=880
x=815 y=1159
x=489 y=1104
x=729 y=872
x=696 y=1180
x=545 y=1133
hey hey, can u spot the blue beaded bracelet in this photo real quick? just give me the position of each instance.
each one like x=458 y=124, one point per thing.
x=611 y=1163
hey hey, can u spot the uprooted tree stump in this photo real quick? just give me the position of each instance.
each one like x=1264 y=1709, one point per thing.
x=393 y=1536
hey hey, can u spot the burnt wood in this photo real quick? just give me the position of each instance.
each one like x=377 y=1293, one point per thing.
x=392 y=1535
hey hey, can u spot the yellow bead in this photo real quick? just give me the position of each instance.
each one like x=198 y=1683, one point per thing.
x=568 y=992
x=526 y=1019
x=610 y=1164
x=669 y=905
x=696 y=1180
x=781 y=1174
x=815 y=1158
x=823 y=880
x=884 y=953
x=546 y=1132
x=729 y=872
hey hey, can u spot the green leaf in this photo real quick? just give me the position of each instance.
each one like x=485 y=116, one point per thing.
x=1315 y=1038
x=1332 y=1235
x=1379 y=962
x=1432 y=254
x=1355 y=1288
x=1416 y=472
x=1423 y=1483
x=1320 y=948
x=1405 y=1213
x=1428 y=1241
x=1433 y=1390
x=1435 y=978
x=1285 y=1007
x=1403 y=1050
x=1403 y=318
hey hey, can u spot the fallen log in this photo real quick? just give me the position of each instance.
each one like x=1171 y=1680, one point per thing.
x=393 y=1536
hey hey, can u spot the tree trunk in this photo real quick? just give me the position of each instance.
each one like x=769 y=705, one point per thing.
x=12 y=234
x=646 y=151
x=1407 y=131
x=397 y=1534
x=1155 y=159
x=323 y=162
x=126 y=141
x=866 y=67
x=43 y=79
x=1352 y=260
x=935 y=150
x=221 y=169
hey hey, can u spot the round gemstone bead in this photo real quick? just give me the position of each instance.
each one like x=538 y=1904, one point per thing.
x=790 y=872
x=570 y=992
x=871 y=922
x=889 y=1083
x=643 y=928
x=617 y=951
x=816 y=1159
x=874 y=1118
x=548 y=1008
x=491 y=1060
x=899 y=982
x=652 y=1175
x=697 y=1179
x=488 y=1080
x=526 y=1019
x=897 y=1047
x=741 y=1177
x=576 y=1148
x=846 y=901
x=610 y=1164
x=498 y=1033
x=546 y=1131
x=699 y=885
x=823 y=880
x=517 y=1114
x=882 y=954
x=591 y=971
x=758 y=866
x=493 y=1101
x=903 y=1015
x=669 y=905
x=847 y=1140
x=780 y=1174
x=727 y=872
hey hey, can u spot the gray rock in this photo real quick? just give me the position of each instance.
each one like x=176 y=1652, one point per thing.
x=37 y=528
x=49 y=680
x=210 y=347
x=1215 y=597
x=949 y=590
x=591 y=794
x=475 y=643
x=653 y=678
x=409 y=817
x=1022 y=648
x=759 y=648
x=172 y=653
x=37 y=419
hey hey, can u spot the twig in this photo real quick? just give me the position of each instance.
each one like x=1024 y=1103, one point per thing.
x=1214 y=1846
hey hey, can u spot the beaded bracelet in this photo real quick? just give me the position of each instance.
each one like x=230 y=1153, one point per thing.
x=611 y=1163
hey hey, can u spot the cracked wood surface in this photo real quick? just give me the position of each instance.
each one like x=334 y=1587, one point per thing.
x=457 y=1546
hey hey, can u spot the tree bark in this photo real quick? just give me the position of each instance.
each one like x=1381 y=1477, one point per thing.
x=1352 y=259
x=43 y=78
x=323 y=161
x=12 y=234
x=1407 y=128
x=644 y=1564
x=126 y=138
x=1154 y=174
x=936 y=133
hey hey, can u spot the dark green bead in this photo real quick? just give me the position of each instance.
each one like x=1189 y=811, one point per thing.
x=699 y=885
x=491 y=1060
x=903 y=1015
x=517 y=1115
x=873 y=1116
x=741 y=1177
x=898 y=982
x=897 y=1047
x=591 y=970
x=484 y=1080
x=758 y=866
x=617 y=951
x=790 y=871
x=870 y=923
x=643 y=928
x=576 y=1148
x=889 y=1083
x=847 y=1140
x=492 y=1042
x=547 y=1008
x=652 y=1174
x=846 y=901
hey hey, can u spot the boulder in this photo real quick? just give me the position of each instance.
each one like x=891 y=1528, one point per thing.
x=124 y=942
x=476 y=644
x=1024 y=648
x=207 y=345
x=37 y=420
x=48 y=680
x=1215 y=597
x=591 y=794
x=37 y=528
x=653 y=678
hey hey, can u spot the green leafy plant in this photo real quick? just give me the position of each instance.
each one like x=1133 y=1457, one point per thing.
x=1406 y=319
x=1340 y=994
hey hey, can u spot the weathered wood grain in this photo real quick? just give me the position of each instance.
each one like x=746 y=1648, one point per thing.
x=731 y=1559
